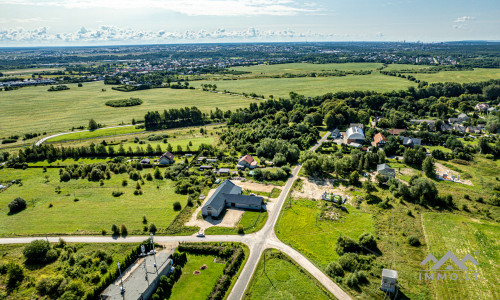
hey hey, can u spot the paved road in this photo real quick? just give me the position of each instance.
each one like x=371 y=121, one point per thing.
x=257 y=243
x=38 y=143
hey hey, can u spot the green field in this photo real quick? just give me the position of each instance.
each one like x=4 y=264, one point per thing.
x=299 y=227
x=96 y=209
x=251 y=221
x=34 y=109
x=283 y=279
x=95 y=133
x=300 y=68
x=476 y=75
x=310 y=86
x=193 y=287
x=462 y=235
x=81 y=279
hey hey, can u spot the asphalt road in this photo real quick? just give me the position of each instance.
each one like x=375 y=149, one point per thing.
x=257 y=243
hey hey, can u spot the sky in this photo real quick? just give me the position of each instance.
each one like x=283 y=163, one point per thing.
x=115 y=22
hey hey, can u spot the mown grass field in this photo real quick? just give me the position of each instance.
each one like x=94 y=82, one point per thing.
x=300 y=68
x=95 y=133
x=477 y=74
x=252 y=221
x=190 y=286
x=310 y=86
x=27 y=289
x=462 y=235
x=300 y=227
x=96 y=209
x=283 y=279
x=34 y=109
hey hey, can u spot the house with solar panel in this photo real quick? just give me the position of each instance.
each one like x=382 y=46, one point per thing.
x=229 y=195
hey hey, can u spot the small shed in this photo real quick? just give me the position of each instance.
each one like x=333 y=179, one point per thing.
x=389 y=281
x=203 y=168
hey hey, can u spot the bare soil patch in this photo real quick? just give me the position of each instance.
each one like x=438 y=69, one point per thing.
x=253 y=186
x=313 y=188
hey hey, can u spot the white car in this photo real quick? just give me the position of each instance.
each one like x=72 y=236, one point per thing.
x=201 y=234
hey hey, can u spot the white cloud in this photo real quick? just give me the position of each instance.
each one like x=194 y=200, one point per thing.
x=463 y=19
x=462 y=22
x=106 y=34
x=187 y=7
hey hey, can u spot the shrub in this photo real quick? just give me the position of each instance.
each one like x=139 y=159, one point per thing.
x=49 y=285
x=15 y=275
x=152 y=228
x=413 y=241
x=351 y=280
x=240 y=229
x=65 y=176
x=362 y=276
x=144 y=220
x=334 y=269
x=346 y=244
x=124 y=102
x=116 y=193
x=124 y=182
x=123 y=230
x=367 y=240
x=349 y=262
x=36 y=251
x=177 y=206
x=17 y=205
x=51 y=255
x=115 y=230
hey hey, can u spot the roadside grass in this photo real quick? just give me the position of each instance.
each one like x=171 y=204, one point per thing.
x=309 y=86
x=283 y=279
x=27 y=289
x=252 y=221
x=190 y=286
x=478 y=74
x=462 y=235
x=300 y=227
x=96 y=208
x=59 y=111
x=95 y=133
x=273 y=194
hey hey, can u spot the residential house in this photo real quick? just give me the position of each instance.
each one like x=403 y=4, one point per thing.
x=336 y=133
x=459 y=128
x=146 y=161
x=223 y=171
x=229 y=195
x=379 y=140
x=205 y=167
x=446 y=127
x=463 y=118
x=430 y=123
x=481 y=107
x=355 y=135
x=410 y=142
x=246 y=161
x=166 y=159
x=385 y=170
x=473 y=129
x=201 y=159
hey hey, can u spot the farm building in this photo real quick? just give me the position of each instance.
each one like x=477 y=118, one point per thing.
x=246 y=161
x=166 y=159
x=229 y=195
x=385 y=170
x=355 y=135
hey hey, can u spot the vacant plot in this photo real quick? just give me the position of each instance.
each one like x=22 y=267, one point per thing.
x=460 y=76
x=300 y=226
x=310 y=86
x=83 y=206
x=462 y=235
x=85 y=271
x=251 y=221
x=35 y=109
x=283 y=279
x=191 y=286
x=95 y=133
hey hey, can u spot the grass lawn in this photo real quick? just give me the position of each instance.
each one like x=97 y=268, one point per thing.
x=96 y=209
x=310 y=86
x=190 y=286
x=462 y=235
x=252 y=221
x=95 y=133
x=300 y=227
x=27 y=289
x=59 y=111
x=283 y=279
x=477 y=74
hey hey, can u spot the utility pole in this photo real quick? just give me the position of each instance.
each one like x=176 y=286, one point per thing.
x=122 y=291
x=154 y=252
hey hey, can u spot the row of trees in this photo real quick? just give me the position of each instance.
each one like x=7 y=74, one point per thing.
x=173 y=118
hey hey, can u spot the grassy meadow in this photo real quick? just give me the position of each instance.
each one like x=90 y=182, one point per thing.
x=310 y=86
x=301 y=68
x=34 y=109
x=96 y=208
x=462 y=235
x=283 y=279
x=27 y=289
x=252 y=221
x=190 y=286
x=476 y=75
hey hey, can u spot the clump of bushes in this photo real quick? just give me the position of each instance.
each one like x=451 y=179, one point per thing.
x=124 y=102
x=413 y=241
x=17 y=205
x=177 y=206
x=39 y=251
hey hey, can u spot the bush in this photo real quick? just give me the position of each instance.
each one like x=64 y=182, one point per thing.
x=115 y=230
x=49 y=285
x=177 y=206
x=346 y=244
x=367 y=240
x=36 y=251
x=240 y=229
x=349 y=262
x=51 y=255
x=17 y=205
x=15 y=275
x=334 y=269
x=123 y=230
x=351 y=280
x=124 y=102
x=116 y=193
x=413 y=241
